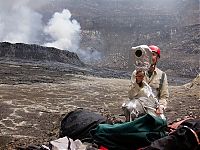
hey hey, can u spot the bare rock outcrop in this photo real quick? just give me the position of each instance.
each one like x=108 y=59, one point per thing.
x=184 y=100
x=37 y=53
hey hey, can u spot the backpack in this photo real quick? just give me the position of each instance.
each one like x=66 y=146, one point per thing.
x=130 y=135
x=78 y=123
x=184 y=137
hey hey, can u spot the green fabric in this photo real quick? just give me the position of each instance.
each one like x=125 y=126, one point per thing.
x=130 y=135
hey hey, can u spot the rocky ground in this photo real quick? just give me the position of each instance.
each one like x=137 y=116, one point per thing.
x=35 y=97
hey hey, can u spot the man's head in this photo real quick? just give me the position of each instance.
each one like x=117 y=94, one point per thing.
x=155 y=56
x=155 y=53
x=155 y=49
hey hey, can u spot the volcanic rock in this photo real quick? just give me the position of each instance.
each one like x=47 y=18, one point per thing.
x=37 y=53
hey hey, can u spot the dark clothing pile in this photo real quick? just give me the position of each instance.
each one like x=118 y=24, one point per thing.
x=144 y=133
x=185 y=137
x=130 y=135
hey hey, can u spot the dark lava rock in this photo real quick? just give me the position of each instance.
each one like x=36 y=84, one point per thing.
x=37 y=53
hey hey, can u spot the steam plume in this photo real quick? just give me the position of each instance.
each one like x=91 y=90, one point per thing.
x=64 y=32
x=20 y=22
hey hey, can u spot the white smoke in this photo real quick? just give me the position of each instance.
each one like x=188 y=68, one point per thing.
x=21 y=23
x=65 y=32
x=18 y=22
x=89 y=55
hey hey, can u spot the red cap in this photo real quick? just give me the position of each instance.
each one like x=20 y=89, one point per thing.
x=155 y=49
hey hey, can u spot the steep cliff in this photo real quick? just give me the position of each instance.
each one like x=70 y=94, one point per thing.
x=34 y=52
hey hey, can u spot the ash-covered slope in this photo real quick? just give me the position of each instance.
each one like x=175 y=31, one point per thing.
x=34 y=52
x=30 y=63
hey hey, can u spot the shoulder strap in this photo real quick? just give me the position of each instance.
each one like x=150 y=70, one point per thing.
x=161 y=84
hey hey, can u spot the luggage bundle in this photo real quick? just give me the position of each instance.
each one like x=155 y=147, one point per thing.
x=146 y=132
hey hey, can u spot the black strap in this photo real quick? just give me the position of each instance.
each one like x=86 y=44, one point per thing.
x=69 y=144
x=161 y=84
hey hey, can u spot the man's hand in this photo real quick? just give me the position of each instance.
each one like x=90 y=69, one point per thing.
x=139 y=76
x=160 y=110
x=151 y=69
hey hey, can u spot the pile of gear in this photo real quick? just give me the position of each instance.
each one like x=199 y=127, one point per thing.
x=85 y=130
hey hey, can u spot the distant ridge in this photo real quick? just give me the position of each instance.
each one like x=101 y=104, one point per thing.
x=35 y=52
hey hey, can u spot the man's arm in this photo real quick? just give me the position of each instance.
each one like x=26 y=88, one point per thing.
x=136 y=84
